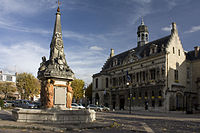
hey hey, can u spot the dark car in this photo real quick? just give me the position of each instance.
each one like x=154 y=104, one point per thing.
x=25 y=104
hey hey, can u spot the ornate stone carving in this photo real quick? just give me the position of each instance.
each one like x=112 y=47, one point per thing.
x=49 y=91
x=69 y=95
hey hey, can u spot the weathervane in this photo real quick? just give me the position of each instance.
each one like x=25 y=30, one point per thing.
x=59 y=3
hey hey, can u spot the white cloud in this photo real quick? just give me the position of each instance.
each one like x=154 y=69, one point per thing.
x=96 y=48
x=24 y=57
x=166 y=28
x=193 y=29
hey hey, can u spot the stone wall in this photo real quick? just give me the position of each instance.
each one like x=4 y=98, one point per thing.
x=54 y=116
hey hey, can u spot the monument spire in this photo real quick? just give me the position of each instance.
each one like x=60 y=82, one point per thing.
x=56 y=66
x=57 y=47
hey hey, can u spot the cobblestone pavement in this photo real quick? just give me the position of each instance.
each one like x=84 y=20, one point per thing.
x=112 y=122
x=159 y=122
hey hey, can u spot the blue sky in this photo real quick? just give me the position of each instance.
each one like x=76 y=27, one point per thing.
x=90 y=29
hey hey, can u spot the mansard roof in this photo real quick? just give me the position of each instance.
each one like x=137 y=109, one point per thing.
x=191 y=55
x=138 y=52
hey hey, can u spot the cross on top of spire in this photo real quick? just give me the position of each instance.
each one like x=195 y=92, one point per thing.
x=59 y=3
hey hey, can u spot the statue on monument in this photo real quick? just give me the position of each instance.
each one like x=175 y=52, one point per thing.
x=49 y=93
x=69 y=95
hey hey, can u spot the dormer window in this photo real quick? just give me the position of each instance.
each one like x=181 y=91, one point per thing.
x=114 y=62
x=153 y=49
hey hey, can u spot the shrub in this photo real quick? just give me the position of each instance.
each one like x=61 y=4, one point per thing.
x=1 y=103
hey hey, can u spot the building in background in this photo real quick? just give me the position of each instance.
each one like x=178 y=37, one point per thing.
x=9 y=78
x=157 y=75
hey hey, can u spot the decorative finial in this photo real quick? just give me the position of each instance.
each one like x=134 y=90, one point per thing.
x=58 y=10
x=142 y=21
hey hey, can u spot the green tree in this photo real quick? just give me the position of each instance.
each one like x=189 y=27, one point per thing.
x=27 y=85
x=7 y=88
x=77 y=86
x=88 y=92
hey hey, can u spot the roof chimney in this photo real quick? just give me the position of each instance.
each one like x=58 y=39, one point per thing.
x=196 y=51
x=111 y=53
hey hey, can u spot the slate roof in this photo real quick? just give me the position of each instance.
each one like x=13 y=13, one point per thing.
x=138 y=52
x=191 y=55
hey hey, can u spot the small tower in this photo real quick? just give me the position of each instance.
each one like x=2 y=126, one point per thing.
x=142 y=34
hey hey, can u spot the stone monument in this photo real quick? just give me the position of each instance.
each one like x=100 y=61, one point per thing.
x=55 y=76
x=55 y=70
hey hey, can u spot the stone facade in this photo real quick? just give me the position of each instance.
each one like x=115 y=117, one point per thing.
x=152 y=75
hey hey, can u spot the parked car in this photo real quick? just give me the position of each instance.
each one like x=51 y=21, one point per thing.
x=94 y=107
x=76 y=106
x=28 y=104
x=25 y=104
x=7 y=103
x=81 y=106
x=105 y=108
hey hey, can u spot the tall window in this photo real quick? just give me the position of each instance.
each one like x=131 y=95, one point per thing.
x=179 y=53
x=9 y=78
x=152 y=93
x=106 y=82
x=176 y=74
x=153 y=73
x=114 y=82
x=96 y=82
x=124 y=79
x=146 y=94
x=137 y=77
x=160 y=93
x=188 y=73
x=143 y=75
x=173 y=50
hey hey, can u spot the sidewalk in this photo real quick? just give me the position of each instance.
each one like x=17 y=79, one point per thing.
x=179 y=115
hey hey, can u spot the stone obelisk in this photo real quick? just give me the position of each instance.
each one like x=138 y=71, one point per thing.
x=54 y=73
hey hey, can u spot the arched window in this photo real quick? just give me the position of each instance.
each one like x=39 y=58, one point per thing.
x=142 y=36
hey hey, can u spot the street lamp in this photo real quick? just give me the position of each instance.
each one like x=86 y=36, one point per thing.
x=130 y=97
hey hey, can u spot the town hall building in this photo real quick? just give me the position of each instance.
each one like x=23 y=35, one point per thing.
x=157 y=75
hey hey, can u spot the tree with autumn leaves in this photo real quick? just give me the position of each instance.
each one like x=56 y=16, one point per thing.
x=27 y=85
x=7 y=88
x=88 y=92
x=77 y=86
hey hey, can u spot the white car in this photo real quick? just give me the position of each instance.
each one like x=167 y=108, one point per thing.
x=76 y=106
x=81 y=106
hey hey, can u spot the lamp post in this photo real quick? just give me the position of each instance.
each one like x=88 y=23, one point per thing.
x=130 y=96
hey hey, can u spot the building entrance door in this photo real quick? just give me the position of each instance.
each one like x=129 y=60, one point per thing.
x=121 y=103
x=179 y=101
